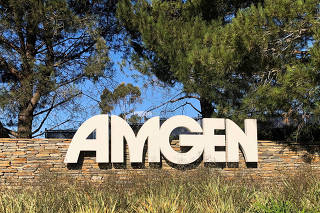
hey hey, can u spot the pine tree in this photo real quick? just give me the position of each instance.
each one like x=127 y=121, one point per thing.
x=285 y=36
x=48 y=47
x=173 y=39
x=240 y=58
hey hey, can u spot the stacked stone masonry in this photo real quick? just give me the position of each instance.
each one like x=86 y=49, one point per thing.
x=25 y=160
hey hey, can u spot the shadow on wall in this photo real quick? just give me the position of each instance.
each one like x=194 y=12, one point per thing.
x=310 y=148
x=194 y=165
x=308 y=139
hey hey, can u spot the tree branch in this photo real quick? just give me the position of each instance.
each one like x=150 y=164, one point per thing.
x=46 y=116
x=34 y=100
x=56 y=105
x=70 y=81
x=52 y=128
x=9 y=44
x=69 y=57
x=173 y=101
x=4 y=131
x=10 y=68
x=182 y=105
x=91 y=97
x=56 y=44
x=193 y=107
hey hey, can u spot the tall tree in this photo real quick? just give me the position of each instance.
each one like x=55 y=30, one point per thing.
x=239 y=58
x=47 y=47
x=171 y=39
x=286 y=35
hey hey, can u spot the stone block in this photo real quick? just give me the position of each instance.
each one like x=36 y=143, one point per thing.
x=56 y=155
x=32 y=152
x=49 y=151
x=8 y=170
x=11 y=145
x=26 y=177
x=4 y=163
x=24 y=173
x=42 y=155
x=51 y=147
x=63 y=144
x=19 y=160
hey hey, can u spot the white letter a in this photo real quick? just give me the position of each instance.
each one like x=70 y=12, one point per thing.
x=100 y=145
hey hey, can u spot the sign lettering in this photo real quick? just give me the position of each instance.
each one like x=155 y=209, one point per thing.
x=201 y=143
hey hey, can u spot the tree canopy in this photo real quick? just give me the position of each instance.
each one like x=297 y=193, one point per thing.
x=47 y=47
x=287 y=85
x=239 y=58
x=172 y=39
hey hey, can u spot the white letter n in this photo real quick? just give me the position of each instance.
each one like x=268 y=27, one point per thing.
x=247 y=141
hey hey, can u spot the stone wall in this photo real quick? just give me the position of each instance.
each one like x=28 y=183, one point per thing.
x=24 y=160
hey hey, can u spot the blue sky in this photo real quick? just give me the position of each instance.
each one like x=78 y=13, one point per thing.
x=152 y=96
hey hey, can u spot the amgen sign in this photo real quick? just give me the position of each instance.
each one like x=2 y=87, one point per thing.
x=157 y=137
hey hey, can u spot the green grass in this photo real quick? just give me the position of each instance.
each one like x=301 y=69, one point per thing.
x=160 y=192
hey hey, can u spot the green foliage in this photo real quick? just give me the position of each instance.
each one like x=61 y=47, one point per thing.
x=47 y=49
x=189 y=42
x=248 y=59
x=274 y=205
x=288 y=84
x=135 y=119
x=124 y=96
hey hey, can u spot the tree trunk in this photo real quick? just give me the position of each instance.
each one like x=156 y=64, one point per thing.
x=25 y=123
x=25 y=116
x=207 y=109
x=3 y=132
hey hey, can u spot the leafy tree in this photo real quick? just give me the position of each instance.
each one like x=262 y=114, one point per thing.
x=48 y=47
x=124 y=96
x=135 y=119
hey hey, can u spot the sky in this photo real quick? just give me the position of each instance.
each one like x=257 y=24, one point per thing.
x=152 y=96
